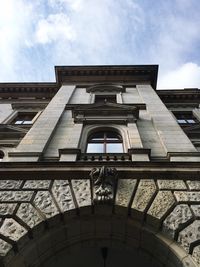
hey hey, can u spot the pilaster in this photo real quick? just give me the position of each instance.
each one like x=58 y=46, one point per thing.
x=36 y=140
x=171 y=135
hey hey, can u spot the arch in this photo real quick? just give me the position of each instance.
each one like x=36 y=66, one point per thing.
x=73 y=231
x=106 y=87
x=105 y=141
x=139 y=213
x=91 y=129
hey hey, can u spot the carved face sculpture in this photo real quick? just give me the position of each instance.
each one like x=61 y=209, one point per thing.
x=103 y=180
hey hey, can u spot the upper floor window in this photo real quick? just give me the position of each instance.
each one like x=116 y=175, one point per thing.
x=24 y=118
x=105 y=98
x=185 y=118
x=105 y=142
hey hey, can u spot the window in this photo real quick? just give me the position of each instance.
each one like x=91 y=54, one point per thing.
x=105 y=142
x=24 y=118
x=105 y=98
x=185 y=118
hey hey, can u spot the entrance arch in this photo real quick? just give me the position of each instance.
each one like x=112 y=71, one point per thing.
x=70 y=238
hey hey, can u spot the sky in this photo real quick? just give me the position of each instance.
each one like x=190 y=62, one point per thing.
x=36 y=35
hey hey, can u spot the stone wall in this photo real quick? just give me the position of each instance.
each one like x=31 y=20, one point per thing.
x=168 y=207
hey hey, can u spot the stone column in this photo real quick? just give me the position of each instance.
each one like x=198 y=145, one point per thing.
x=36 y=140
x=175 y=142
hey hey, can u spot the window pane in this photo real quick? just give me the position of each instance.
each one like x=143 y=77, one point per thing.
x=27 y=122
x=18 y=122
x=97 y=136
x=191 y=121
x=114 y=148
x=95 y=148
x=181 y=121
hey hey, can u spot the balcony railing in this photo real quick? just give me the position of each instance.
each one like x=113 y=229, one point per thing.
x=104 y=157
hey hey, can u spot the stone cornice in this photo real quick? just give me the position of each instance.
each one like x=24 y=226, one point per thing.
x=80 y=170
x=28 y=89
x=109 y=73
x=185 y=95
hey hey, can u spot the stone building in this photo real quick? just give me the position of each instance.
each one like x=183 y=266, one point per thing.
x=99 y=169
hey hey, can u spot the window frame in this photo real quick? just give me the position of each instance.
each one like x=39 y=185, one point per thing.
x=106 y=138
x=185 y=118
x=10 y=119
x=101 y=98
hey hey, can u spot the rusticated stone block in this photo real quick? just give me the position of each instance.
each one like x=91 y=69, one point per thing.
x=171 y=184
x=189 y=235
x=82 y=192
x=180 y=215
x=62 y=194
x=196 y=254
x=163 y=201
x=28 y=214
x=17 y=196
x=145 y=191
x=124 y=191
x=7 y=208
x=183 y=196
x=196 y=210
x=10 y=228
x=4 y=247
x=194 y=185
x=45 y=203
x=37 y=184
x=10 y=184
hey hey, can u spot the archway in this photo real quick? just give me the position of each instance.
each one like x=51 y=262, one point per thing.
x=77 y=238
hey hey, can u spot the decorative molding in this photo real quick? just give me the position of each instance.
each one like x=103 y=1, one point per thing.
x=110 y=73
x=109 y=112
x=115 y=88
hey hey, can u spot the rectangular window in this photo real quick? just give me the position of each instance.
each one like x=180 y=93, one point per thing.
x=185 y=118
x=105 y=98
x=24 y=118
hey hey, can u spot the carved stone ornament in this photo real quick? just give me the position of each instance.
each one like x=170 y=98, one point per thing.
x=103 y=180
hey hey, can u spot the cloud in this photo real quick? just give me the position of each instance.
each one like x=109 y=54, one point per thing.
x=36 y=35
x=55 y=27
x=14 y=24
x=72 y=4
x=186 y=76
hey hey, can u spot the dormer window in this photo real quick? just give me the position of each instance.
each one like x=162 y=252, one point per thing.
x=105 y=142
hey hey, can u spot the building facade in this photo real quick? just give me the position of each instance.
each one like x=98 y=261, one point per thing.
x=99 y=169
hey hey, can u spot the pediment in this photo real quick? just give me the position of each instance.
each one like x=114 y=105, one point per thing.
x=106 y=106
x=106 y=110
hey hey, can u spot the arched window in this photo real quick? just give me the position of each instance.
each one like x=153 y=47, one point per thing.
x=105 y=142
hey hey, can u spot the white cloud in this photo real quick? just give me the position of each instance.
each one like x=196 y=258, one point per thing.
x=186 y=76
x=36 y=35
x=55 y=27
x=73 y=4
